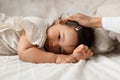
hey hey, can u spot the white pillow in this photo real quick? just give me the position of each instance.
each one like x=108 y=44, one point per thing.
x=104 y=40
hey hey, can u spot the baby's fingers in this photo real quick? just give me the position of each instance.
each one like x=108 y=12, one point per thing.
x=89 y=53
x=81 y=48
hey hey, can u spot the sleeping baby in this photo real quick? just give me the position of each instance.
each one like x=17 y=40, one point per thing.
x=34 y=40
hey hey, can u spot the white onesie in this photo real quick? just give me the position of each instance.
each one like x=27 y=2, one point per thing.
x=12 y=27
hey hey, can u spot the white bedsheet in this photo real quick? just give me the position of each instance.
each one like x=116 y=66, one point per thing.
x=100 y=67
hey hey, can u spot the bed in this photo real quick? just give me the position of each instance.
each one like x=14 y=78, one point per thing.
x=99 y=67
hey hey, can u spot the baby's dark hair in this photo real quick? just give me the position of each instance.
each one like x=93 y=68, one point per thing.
x=85 y=34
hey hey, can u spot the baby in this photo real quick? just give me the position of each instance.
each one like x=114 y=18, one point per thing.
x=36 y=41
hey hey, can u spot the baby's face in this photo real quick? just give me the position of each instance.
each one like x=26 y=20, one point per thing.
x=61 y=39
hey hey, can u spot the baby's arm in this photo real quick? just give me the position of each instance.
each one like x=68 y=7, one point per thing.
x=30 y=53
x=82 y=52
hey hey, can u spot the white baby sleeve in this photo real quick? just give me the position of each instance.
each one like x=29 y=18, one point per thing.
x=35 y=29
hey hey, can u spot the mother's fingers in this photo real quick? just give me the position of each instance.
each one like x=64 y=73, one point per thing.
x=65 y=19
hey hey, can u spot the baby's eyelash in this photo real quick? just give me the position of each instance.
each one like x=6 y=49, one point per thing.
x=59 y=36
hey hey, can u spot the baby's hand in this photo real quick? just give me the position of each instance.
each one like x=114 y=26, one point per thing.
x=82 y=52
x=65 y=59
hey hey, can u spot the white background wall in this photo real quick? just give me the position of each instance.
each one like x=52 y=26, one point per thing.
x=48 y=8
x=43 y=7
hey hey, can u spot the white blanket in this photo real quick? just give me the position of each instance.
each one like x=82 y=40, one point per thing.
x=100 y=67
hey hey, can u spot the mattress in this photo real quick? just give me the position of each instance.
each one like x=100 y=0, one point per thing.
x=99 y=67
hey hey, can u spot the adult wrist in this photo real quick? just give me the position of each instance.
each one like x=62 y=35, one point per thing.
x=95 y=22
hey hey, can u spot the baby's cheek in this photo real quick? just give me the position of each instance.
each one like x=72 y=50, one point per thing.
x=69 y=51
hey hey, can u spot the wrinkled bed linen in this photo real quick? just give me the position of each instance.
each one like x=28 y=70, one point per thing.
x=99 y=67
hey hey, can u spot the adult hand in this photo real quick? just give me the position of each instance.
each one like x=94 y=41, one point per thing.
x=84 y=20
